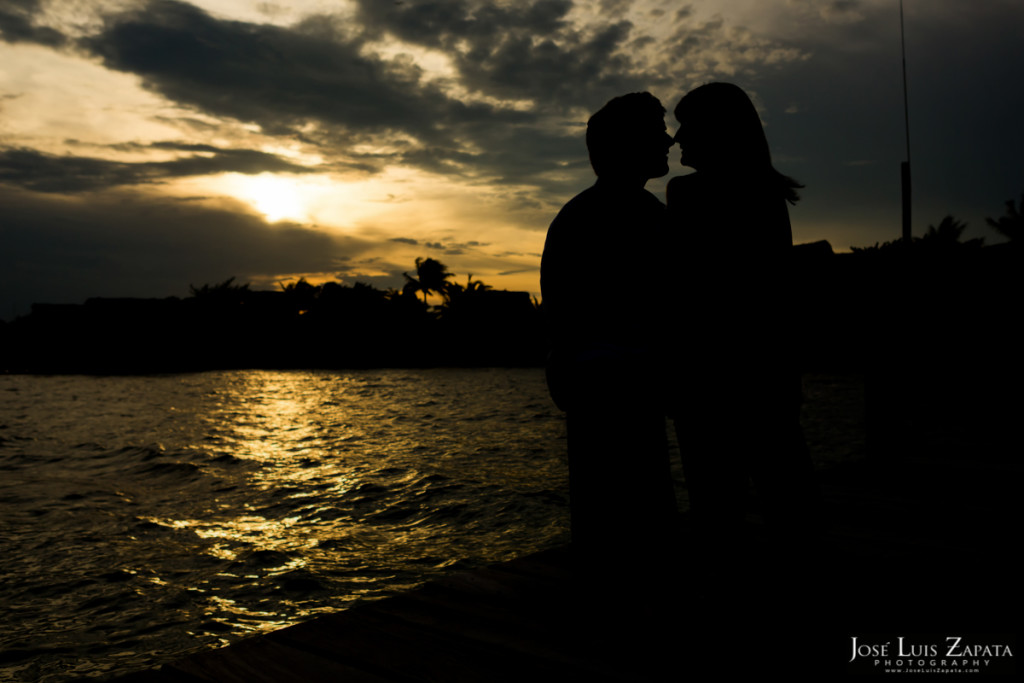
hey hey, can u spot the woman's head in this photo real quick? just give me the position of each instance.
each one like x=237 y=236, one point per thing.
x=720 y=131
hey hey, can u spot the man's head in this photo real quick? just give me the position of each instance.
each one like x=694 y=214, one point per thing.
x=626 y=138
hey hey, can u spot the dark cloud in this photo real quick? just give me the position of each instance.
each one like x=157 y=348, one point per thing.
x=367 y=272
x=582 y=70
x=279 y=78
x=317 y=81
x=525 y=52
x=520 y=270
x=453 y=248
x=65 y=249
x=17 y=24
x=405 y=240
x=842 y=9
x=684 y=12
x=824 y=73
x=42 y=172
x=444 y=23
x=314 y=81
x=690 y=39
x=615 y=8
x=846 y=141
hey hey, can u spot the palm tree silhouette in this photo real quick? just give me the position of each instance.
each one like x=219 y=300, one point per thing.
x=941 y=238
x=225 y=293
x=454 y=290
x=302 y=295
x=1011 y=225
x=431 y=276
x=947 y=235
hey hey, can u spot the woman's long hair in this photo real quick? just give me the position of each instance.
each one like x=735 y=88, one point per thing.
x=720 y=121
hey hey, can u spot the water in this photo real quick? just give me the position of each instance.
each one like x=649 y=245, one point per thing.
x=145 y=518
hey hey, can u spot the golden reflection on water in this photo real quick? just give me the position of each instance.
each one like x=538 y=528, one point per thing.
x=335 y=474
x=243 y=531
x=249 y=620
x=262 y=498
x=272 y=416
x=277 y=419
x=255 y=532
x=283 y=422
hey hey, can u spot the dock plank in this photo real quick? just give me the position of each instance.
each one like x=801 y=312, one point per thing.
x=261 y=659
x=511 y=622
x=760 y=607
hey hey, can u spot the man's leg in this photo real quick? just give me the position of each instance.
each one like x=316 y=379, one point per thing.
x=621 y=493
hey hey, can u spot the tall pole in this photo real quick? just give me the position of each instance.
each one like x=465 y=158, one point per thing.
x=905 y=166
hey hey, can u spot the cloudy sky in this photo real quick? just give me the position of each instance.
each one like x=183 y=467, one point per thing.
x=149 y=145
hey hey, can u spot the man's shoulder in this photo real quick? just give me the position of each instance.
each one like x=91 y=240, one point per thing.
x=579 y=209
x=601 y=202
x=582 y=200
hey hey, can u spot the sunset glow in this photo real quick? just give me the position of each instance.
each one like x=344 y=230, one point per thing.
x=384 y=132
x=275 y=197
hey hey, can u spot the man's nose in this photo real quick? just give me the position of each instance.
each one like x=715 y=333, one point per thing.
x=669 y=140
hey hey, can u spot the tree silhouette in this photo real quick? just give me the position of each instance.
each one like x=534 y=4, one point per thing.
x=946 y=236
x=299 y=324
x=891 y=245
x=217 y=289
x=225 y=293
x=941 y=238
x=301 y=295
x=1011 y=226
x=462 y=299
x=431 y=276
x=454 y=290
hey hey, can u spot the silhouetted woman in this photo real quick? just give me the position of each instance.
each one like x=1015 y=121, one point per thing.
x=737 y=387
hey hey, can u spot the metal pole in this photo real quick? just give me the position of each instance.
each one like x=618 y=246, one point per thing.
x=905 y=166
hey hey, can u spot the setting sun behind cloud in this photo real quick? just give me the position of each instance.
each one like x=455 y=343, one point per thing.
x=277 y=197
x=371 y=134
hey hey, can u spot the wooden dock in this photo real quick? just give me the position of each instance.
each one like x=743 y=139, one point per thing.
x=519 y=621
x=533 y=618
x=892 y=563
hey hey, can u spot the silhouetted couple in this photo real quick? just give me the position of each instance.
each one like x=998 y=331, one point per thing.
x=683 y=311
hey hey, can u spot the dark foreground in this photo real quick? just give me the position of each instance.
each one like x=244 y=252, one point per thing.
x=916 y=550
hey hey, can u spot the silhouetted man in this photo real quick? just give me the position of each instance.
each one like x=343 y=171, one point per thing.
x=599 y=281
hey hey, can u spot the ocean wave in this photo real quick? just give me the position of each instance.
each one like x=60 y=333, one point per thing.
x=149 y=516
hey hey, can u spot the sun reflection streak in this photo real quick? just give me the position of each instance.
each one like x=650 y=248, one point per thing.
x=305 y=455
x=265 y=498
x=336 y=482
x=241 y=617
x=243 y=533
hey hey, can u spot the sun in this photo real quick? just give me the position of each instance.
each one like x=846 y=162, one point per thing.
x=278 y=198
